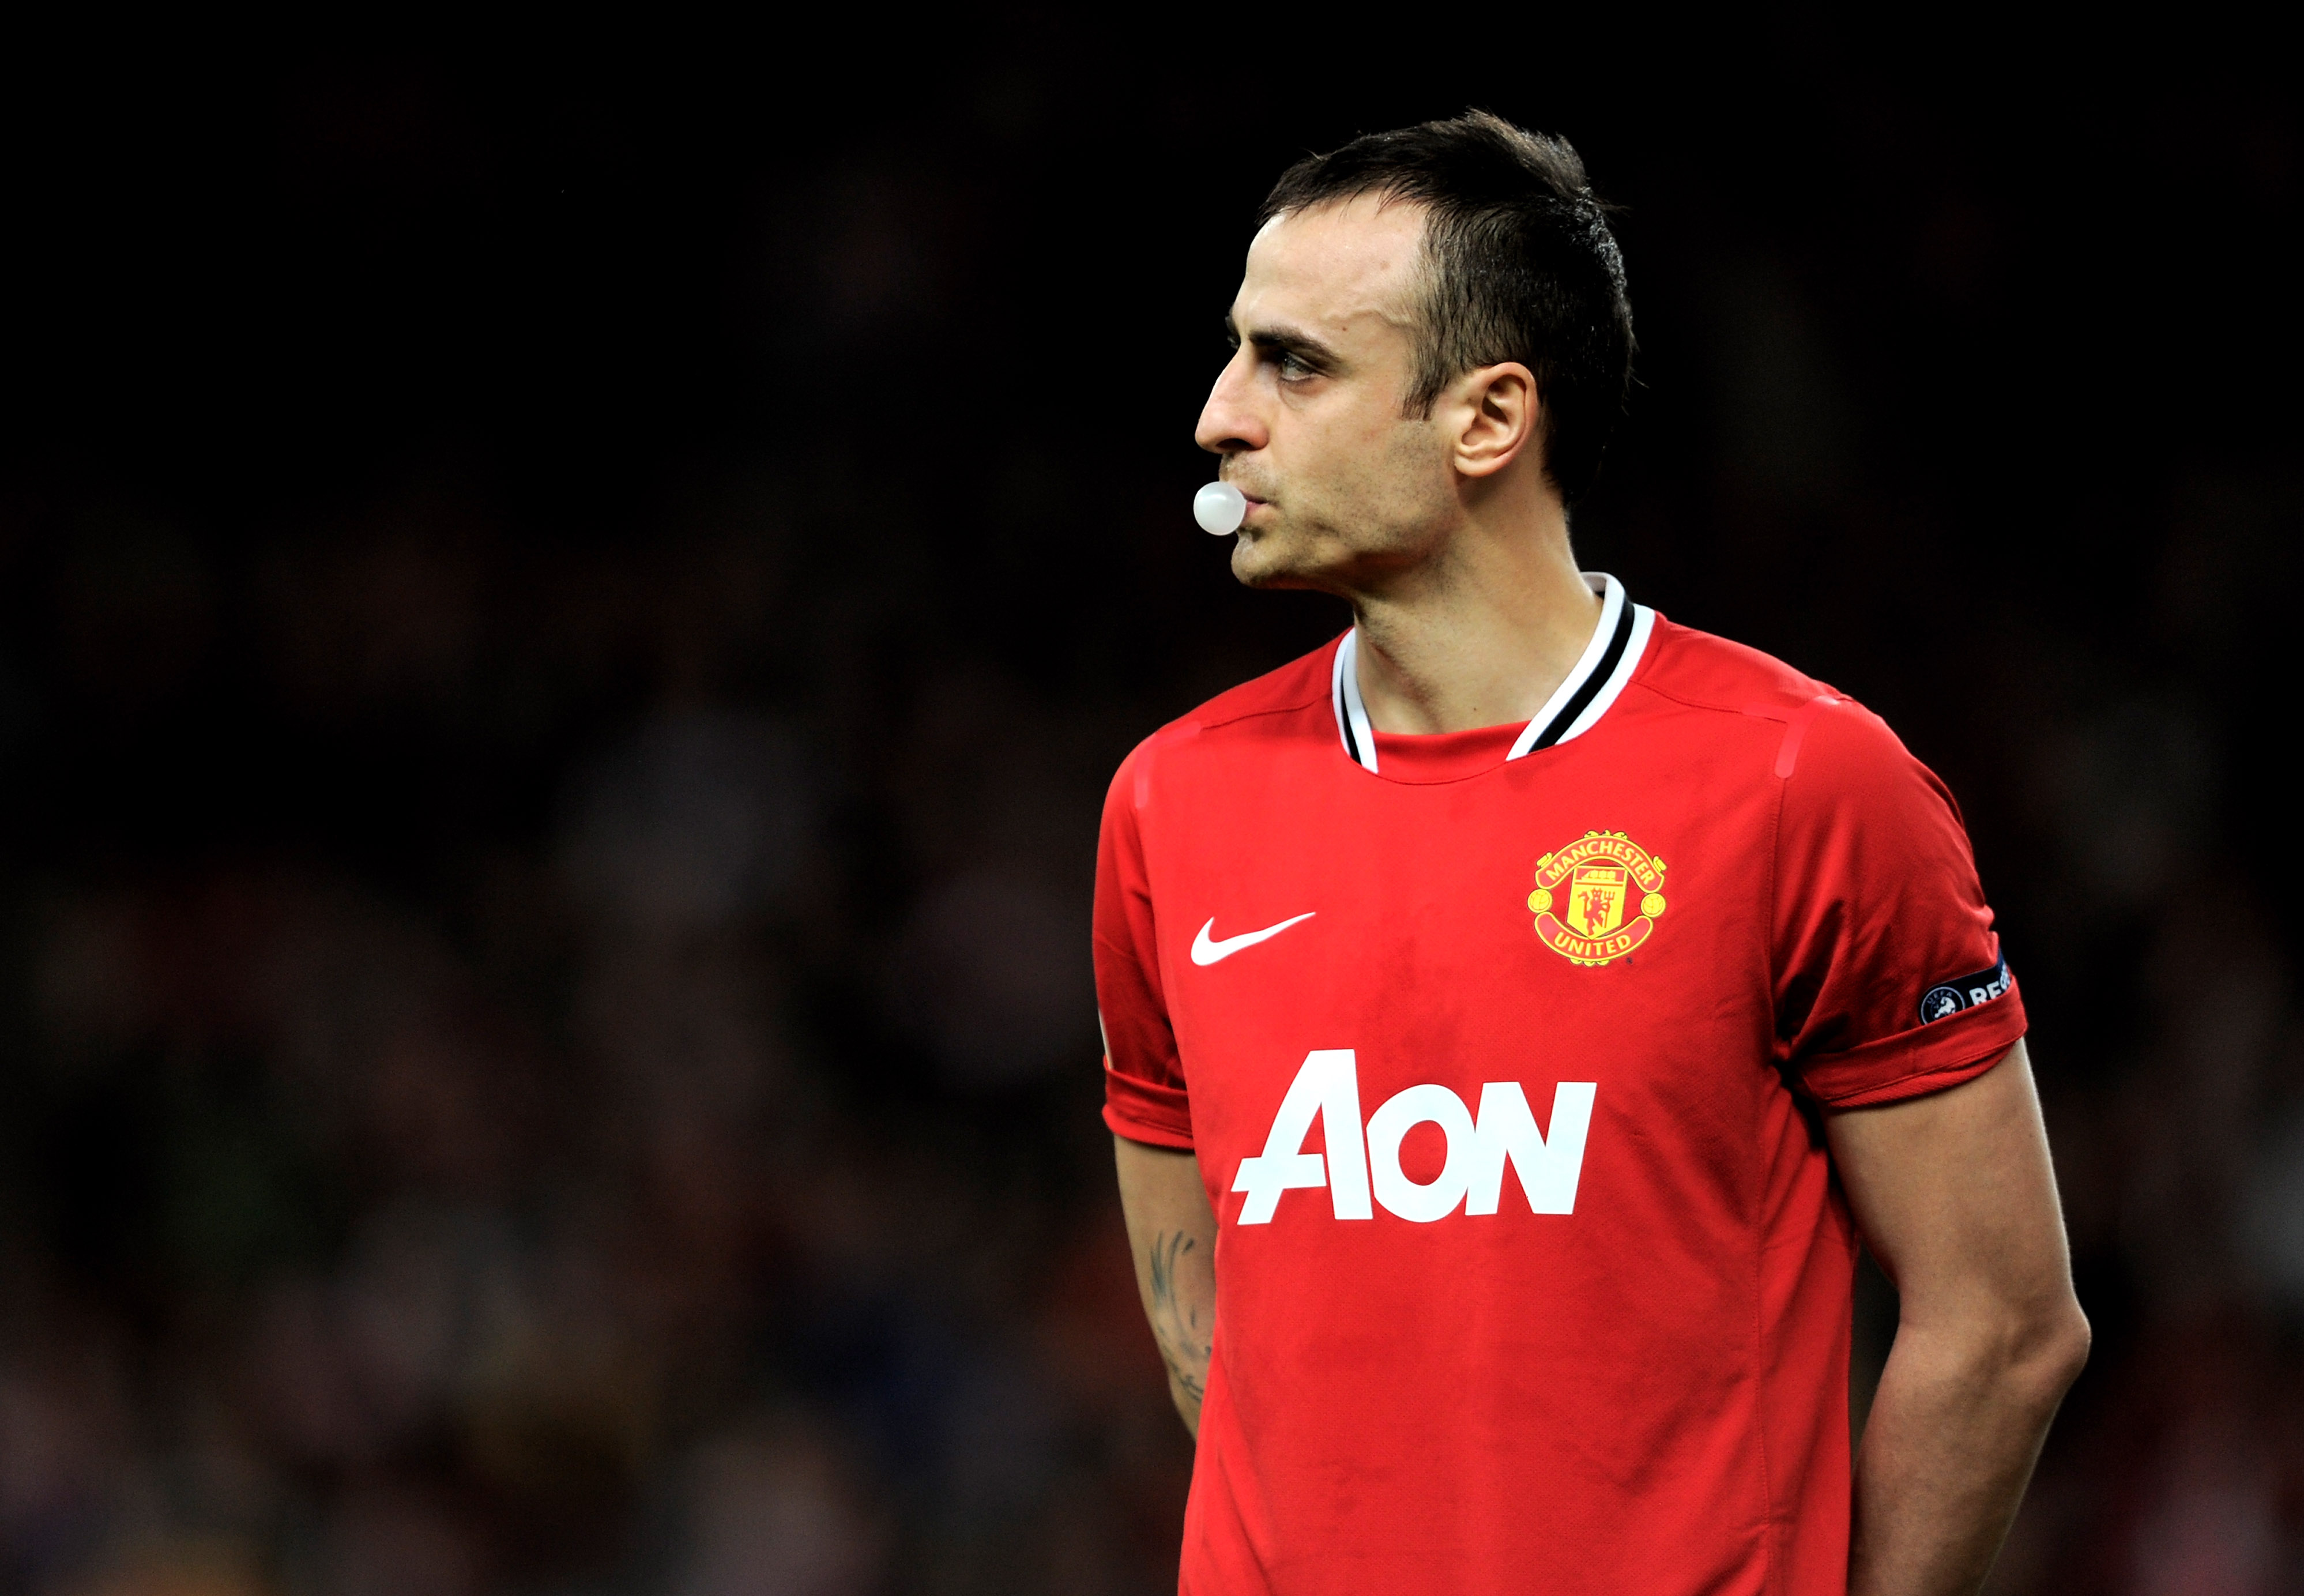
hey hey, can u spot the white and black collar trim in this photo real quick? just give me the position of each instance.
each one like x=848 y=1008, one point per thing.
x=1575 y=706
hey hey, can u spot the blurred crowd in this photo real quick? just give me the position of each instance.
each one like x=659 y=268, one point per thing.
x=549 y=1045
x=648 y=1208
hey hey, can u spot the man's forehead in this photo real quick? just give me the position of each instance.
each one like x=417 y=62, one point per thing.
x=1335 y=263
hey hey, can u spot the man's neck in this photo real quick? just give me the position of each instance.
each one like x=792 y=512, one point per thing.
x=1479 y=636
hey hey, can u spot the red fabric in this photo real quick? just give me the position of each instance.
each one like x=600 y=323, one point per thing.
x=1648 y=1392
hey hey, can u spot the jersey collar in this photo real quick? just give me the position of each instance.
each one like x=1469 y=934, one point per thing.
x=1575 y=706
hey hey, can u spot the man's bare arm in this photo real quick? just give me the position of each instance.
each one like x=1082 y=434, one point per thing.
x=1957 y=1201
x=1172 y=1234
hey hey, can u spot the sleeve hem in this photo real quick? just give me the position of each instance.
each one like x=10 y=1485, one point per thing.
x=1145 y=1110
x=1136 y=1130
x=1915 y=1064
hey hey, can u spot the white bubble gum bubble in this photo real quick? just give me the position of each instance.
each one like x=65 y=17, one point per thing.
x=1219 y=508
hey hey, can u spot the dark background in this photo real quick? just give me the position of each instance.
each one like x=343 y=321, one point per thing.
x=566 y=612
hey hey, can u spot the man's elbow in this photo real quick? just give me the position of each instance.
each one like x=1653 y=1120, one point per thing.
x=2046 y=1353
x=2075 y=1338
x=2022 y=1355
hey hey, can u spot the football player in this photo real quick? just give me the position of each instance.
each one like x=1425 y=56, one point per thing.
x=1519 y=1012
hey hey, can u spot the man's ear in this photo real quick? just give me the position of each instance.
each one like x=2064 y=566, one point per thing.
x=1496 y=411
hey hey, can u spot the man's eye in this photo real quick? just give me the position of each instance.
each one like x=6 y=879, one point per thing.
x=1293 y=367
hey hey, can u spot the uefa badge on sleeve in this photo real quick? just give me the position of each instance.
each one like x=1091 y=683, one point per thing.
x=1597 y=898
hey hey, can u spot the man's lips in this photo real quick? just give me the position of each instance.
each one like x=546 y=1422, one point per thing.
x=1255 y=501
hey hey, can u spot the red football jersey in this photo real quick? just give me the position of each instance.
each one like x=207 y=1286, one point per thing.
x=1502 y=1054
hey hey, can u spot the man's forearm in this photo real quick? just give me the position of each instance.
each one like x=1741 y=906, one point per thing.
x=1172 y=1233
x=1182 y=1311
x=1948 y=1448
x=1957 y=1199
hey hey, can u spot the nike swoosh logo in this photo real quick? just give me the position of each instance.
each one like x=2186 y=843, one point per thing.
x=1208 y=949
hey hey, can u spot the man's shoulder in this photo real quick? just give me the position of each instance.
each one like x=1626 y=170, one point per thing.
x=1280 y=704
x=1302 y=684
x=1826 y=743
x=1700 y=671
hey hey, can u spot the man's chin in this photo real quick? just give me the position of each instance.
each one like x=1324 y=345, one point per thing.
x=1267 y=563
x=1260 y=562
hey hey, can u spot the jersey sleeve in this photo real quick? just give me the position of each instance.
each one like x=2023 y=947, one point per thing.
x=1143 y=1093
x=1889 y=982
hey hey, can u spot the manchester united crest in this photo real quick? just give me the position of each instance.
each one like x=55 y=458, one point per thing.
x=1597 y=898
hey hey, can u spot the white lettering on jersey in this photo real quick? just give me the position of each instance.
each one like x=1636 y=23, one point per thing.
x=1328 y=1085
x=1388 y=1125
x=1472 y=1172
x=1548 y=1166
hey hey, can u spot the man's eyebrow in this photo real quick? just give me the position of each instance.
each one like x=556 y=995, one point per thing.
x=1286 y=341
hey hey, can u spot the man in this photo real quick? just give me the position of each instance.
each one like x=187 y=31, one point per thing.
x=1517 y=1011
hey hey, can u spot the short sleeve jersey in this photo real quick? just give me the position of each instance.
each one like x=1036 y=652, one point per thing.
x=1505 y=1054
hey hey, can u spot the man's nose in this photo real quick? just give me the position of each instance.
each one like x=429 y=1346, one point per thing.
x=1229 y=421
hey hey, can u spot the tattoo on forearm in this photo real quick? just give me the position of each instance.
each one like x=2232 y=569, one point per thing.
x=1185 y=1340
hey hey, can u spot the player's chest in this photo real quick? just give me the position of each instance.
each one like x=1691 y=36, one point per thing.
x=1446 y=933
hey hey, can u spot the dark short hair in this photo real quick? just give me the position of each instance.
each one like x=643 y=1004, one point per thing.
x=1520 y=264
